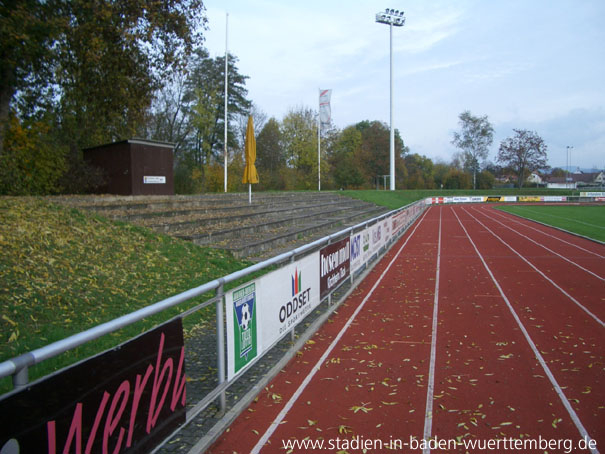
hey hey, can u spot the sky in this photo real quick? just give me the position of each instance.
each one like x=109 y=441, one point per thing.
x=537 y=65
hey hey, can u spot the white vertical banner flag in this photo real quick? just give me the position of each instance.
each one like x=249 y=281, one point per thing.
x=325 y=112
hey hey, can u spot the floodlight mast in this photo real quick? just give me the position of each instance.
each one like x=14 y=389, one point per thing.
x=391 y=18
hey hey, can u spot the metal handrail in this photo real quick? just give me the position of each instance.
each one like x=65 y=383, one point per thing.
x=20 y=363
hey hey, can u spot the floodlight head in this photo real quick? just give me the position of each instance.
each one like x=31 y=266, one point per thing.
x=391 y=17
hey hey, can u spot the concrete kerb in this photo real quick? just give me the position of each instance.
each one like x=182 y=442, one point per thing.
x=217 y=430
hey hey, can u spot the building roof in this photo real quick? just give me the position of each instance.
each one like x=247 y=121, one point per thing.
x=136 y=140
x=575 y=177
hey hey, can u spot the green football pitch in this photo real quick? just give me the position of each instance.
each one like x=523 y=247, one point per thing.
x=581 y=219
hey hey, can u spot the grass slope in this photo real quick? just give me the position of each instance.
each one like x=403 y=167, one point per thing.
x=62 y=271
x=584 y=220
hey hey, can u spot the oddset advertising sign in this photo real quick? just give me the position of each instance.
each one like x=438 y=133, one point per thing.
x=126 y=400
x=259 y=313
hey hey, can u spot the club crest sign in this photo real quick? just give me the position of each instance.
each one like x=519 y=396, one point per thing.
x=245 y=326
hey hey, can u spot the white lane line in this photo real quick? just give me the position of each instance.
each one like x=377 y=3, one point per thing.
x=428 y=415
x=551 y=377
x=282 y=414
x=575 y=301
x=541 y=245
x=510 y=216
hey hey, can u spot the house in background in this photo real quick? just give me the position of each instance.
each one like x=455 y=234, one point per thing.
x=576 y=180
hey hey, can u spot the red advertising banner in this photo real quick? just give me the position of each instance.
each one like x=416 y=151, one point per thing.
x=334 y=265
x=126 y=400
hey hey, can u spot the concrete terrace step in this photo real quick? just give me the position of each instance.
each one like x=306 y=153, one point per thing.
x=257 y=222
x=251 y=245
x=124 y=205
x=273 y=223
x=196 y=217
x=200 y=211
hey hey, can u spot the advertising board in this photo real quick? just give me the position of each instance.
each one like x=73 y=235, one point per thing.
x=592 y=194
x=356 y=241
x=334 y=265
x=260 y=312
x=126 y=400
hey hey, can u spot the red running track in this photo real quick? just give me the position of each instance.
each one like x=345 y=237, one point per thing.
x=476 y=327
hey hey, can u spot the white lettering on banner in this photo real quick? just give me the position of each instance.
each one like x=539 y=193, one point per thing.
x=332 y=261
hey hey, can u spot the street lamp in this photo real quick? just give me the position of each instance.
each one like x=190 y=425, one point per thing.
x=391 y=18
x=568 y=179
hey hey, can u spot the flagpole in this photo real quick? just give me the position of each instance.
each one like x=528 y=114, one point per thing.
x=226 y=92
x=319 y=142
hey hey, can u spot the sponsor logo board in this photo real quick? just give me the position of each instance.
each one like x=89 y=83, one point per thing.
x=125 y=400
x=356 y=251
x=277 y=302
x=334 y=265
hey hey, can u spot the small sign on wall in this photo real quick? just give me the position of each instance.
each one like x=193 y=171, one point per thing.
x=154 y=180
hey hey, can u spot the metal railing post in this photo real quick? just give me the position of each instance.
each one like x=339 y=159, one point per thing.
x=21 y=378
x=220 y=343
x=293 y=331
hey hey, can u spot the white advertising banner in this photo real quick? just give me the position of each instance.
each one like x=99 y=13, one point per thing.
x=288 y=295
x=555 y=198
x=592 y=194
x=366 y=247
x=357 y=261
x=376 y=238
x=397 y=221
x=386 y=228
x=260 y=312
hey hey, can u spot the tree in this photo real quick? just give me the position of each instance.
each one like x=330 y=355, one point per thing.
x=440 y=171
x=28 y=165
x=270 y=156
x=344 y=158
x=485 y=180
x=420 y=172
x=167 y=119
x=205 y=104
x=558 y=172
x=524 y=153
x=457 y=179
x=299 y=134
x=27 y=30
x=474 y=139
x=374 y=154
x=88 y=69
